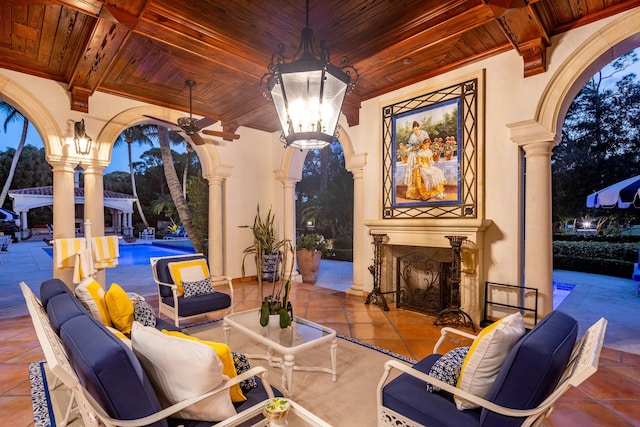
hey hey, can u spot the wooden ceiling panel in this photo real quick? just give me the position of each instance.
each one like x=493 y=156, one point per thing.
x=146 y=49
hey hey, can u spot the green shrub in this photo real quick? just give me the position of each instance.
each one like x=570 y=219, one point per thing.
x=593 y=256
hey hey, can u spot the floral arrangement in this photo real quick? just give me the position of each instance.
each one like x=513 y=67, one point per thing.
x=444 y=147
x=402 y=152
x=314 y=242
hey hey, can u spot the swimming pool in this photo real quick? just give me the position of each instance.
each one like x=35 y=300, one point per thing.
x=140 y=254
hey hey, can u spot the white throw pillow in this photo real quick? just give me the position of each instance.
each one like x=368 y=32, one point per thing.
x=486 y=356
x=180 y=369
x=92 y=296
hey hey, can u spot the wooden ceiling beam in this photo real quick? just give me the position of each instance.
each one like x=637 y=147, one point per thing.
x=109 y=33
x=526 y=33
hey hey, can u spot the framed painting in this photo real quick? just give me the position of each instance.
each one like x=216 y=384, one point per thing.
x=430 y=154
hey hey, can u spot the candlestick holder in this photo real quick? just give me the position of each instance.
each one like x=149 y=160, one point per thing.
x=377 y=296
x=454 y=314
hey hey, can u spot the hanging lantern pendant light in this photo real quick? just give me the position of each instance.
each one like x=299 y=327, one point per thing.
x=307 y=92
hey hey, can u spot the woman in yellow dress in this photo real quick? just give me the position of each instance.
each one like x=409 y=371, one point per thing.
x=426 y=181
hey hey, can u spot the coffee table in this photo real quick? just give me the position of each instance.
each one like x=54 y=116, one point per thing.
x=297 y=416
x=301 y=336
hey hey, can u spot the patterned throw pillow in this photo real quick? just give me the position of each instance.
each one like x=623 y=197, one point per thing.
x=143 y=313
x=199 y=287
x=242 y=365
x=447 y=368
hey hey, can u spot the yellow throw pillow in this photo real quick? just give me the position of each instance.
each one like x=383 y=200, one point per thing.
x=120 y=308
x=224 y=353
x=188 y=271
x=486 y=356
x=91 y=295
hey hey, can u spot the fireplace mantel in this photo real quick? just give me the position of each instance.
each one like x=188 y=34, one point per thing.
x=430 y=232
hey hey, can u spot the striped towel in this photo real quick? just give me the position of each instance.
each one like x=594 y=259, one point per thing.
x=65 y=251
x=83 y=267
x=105 y=251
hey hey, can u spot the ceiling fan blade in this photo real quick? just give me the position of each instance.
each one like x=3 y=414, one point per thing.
x=205 y=121
x=161 y=122
x=197 y=139
x=228 y=136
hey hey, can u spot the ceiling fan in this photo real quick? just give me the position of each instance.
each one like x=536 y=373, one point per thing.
x=192 y=126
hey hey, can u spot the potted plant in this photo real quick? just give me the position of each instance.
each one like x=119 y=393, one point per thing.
x=309 y=250
x=271 y=255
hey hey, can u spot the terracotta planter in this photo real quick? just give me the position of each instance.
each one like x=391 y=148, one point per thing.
x=308 y=264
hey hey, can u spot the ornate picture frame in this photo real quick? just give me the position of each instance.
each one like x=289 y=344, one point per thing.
x=429 y=170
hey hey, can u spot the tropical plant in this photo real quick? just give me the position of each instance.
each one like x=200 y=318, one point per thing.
x=179 y=200
x=314 y=242
x=11 y=115
x=264 y=239
x=129 y=136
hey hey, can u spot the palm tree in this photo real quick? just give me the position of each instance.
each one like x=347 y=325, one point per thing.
x=129 y=136
x=177 y=195
x=11 y=115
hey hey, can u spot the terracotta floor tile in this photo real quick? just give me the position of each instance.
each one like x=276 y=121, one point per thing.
x=607 y=384
x=366 y=331
x=12 y=374
x=11 y=349
x=583 y=413
x=16 y=411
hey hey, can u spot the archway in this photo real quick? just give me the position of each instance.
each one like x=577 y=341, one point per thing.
x=538 y=136
x=291 y=173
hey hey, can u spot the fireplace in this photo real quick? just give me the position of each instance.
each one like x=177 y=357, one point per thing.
x=420 y=278
x=415 y=263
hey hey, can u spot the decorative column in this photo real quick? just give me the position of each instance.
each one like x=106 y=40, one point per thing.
x=454 y=314
x=216 y=203
x=94 y=206
x=537 y=143
x=63 y=210
x=289 y=198
x=24 y=226
x=356 y=167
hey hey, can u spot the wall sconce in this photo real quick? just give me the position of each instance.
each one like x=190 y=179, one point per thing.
x=81 y=140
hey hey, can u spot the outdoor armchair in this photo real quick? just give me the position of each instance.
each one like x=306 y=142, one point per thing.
x=542 y=365
x=178 y=276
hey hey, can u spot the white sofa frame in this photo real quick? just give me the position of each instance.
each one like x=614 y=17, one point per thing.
x=92 y=413
x=582 y=364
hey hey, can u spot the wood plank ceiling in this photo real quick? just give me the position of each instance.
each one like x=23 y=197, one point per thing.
x=146 y=49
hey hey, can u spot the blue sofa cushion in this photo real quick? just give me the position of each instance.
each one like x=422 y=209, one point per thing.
x=200 y=304
x=533 y=368
x=164 y=275
x=50 y=288
x=408 y=396
x=63 y=307
x=109 y=370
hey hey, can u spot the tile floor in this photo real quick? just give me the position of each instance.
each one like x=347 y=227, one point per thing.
x=610 y=398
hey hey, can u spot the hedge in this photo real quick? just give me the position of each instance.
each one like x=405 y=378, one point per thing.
x=589 y=256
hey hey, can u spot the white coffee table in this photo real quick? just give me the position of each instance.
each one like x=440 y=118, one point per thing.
x=302 y=335
x=297 y=416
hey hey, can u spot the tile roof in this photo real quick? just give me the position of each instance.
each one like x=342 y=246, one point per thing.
x=78 y=192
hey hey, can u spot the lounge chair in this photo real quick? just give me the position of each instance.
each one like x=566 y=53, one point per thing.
x=171 y=273
x=179 y=234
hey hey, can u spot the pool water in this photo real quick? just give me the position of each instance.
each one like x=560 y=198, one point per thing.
x=560 y=292
x=140 y=254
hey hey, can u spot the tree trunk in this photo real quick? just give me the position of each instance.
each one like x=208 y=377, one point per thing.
x=133 y=186
x=176 y=194
x=14 y=162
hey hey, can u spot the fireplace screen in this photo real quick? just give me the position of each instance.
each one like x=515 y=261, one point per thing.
x=422 y=280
